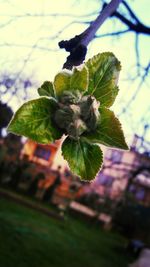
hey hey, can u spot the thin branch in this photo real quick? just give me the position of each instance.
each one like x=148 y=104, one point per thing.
x=28 y=46
x=137 y=27
x=8 y=22
x=37 y=15
x=137 y=54
x=112 y=34
x=132 y=14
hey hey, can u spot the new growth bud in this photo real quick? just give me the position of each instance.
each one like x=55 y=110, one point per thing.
x=77 y=114
x=76 y=128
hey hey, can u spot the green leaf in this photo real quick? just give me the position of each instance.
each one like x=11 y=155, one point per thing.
x=77 y=80
x=104 y=71
x=84 y=159
x=62 y=82
x=46 y=89
x=108 y=132
x=34 y=120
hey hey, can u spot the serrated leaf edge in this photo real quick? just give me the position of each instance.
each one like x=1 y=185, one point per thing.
x=84 y=180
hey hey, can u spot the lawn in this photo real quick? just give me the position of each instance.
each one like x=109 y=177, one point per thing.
x=31 y=239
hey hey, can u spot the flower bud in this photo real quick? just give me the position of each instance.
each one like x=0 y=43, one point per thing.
x=89 y=112
x=63 y=117
x=77 y=114
x=69 y=98
x=76 y=128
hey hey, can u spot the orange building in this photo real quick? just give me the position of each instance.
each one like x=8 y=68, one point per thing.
x=118 y=169
x=41 y=154
x=46 y=159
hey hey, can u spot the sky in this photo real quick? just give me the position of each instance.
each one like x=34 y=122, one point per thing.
x=29 y=36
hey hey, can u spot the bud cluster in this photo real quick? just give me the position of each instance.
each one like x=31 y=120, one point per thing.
x=77 y=114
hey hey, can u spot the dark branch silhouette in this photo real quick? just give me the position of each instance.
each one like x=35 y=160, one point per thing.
x=77 y=46
x=137 y=27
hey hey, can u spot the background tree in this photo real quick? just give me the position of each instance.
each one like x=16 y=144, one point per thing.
x=6 y=114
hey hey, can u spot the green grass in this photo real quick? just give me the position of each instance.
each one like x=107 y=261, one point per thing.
x=31 y=239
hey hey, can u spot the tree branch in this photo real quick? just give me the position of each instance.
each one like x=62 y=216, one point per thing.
x=89 y=34
x=77 y=46
x=118 y=33
x=137 y=27
x=132 y=14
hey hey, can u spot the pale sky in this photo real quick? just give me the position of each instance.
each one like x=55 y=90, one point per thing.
x=29 y=35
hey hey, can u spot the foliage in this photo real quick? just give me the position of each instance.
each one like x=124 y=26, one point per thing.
x=30 y=239
x=76 y=104
x=6 y=114
x=133 y=219
x=97 y=203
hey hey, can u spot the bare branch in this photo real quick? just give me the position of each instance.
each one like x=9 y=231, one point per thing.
x=137 y=54
x=37 y=15
x=118 y=33
x=77 y=46
x=138 y=27
x=132 y=14
x=28 y=46
x=95 y=25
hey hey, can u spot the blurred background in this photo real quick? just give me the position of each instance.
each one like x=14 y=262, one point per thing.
x=47 y=215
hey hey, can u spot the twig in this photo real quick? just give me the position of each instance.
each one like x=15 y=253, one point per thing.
x=118 y=33
x=137 y=54
x=137 y=27
x=132 y=14
x=95 y=25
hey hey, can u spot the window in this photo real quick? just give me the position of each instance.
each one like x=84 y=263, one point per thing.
x=105 y=180
x=114 y=155
x=42 y=153
x=132 y=188
x=140 y=194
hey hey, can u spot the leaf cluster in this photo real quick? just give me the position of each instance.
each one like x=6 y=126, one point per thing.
x=76 y=104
